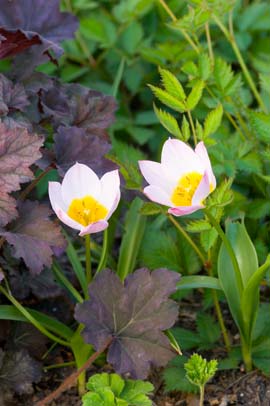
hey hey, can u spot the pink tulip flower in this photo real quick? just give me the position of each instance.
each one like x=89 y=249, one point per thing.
x=83 y=201
x=182 y=180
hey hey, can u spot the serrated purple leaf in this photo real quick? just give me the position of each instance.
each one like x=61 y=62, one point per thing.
x=33 y=22
x=18 y=151
x=73 y=144
x=34 y=235
x=134 y=314
x=12 y=96
x=18 y=371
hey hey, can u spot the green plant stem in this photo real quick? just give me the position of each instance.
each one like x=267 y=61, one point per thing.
x=192 y=127
x=61 y=365
x=174 y=19
x=34 y=183
x=218 y=309
x=187 y=237
x=246 y=353
x=221 y=321
x=103 y=258
x=58 y=272
x=231 y=39
x=201 y=395
x=228 y=248
x=118 y=77
x=88 y=268
x=209 y=43
x=32 y=320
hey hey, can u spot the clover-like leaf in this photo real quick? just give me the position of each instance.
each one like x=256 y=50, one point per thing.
x=72 y=144
x=133 y=314
x=18 y=371
x=18 y=151
x=33 y=22
x=33 y=236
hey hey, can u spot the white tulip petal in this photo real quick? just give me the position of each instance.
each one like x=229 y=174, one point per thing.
x=110 y=188
x=94 y=228
x=180 y=158
x=202 y=191
x=114 y=205
x=55 y=195
x=158 y=195
x=157 y=174
x=62 y=215
x=201 y=151
x=80 y=181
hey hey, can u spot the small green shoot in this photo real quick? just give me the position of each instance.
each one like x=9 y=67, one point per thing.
x=199 y=371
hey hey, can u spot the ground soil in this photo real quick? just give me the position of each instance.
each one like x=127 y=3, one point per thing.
x=232 y=387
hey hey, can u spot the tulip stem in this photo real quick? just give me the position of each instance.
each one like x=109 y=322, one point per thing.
x=104 y=253
x=88 y=259
x=187 y=237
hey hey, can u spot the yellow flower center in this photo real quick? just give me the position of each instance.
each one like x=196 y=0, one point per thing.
x=185 y=189
x=86 y=210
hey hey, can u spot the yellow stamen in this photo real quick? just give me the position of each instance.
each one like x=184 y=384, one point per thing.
x=185 y=189
x=86 y=210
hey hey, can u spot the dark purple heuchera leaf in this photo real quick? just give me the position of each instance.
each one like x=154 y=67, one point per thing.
x=18 y=151
x=78 y=106
x=12 y=96
x=33 y=22
x=134 y=314
x=18 y=371
x=33 y=236
x=43 y=286
x=74 y=145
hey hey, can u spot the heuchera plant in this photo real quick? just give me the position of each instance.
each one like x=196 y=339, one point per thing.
x=52 y=129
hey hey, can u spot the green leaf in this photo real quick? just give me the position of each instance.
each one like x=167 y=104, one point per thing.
x=104 y=397
x=208 y=330
x=197 y=281
x=185 y=129
x=213 y=121
x=197 y=226
x=204 y=66
x=248 y=263
x=208 y=238
x=195 y=95
x=131 y=37
x=135 y=393
x=9 y=312
x=168 y=122
x=131 y=241
x=261 y=356
x=150 y=209
x=172 y=84
x=260 y=123
x=250 y=297
x=168 y=99
x=168 y=249
x=186 y=339
x=175 y=377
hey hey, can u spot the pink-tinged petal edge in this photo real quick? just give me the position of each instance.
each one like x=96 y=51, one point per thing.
x=94 y=228
x=184 y=210
x=202 y=152
x=66 y=219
